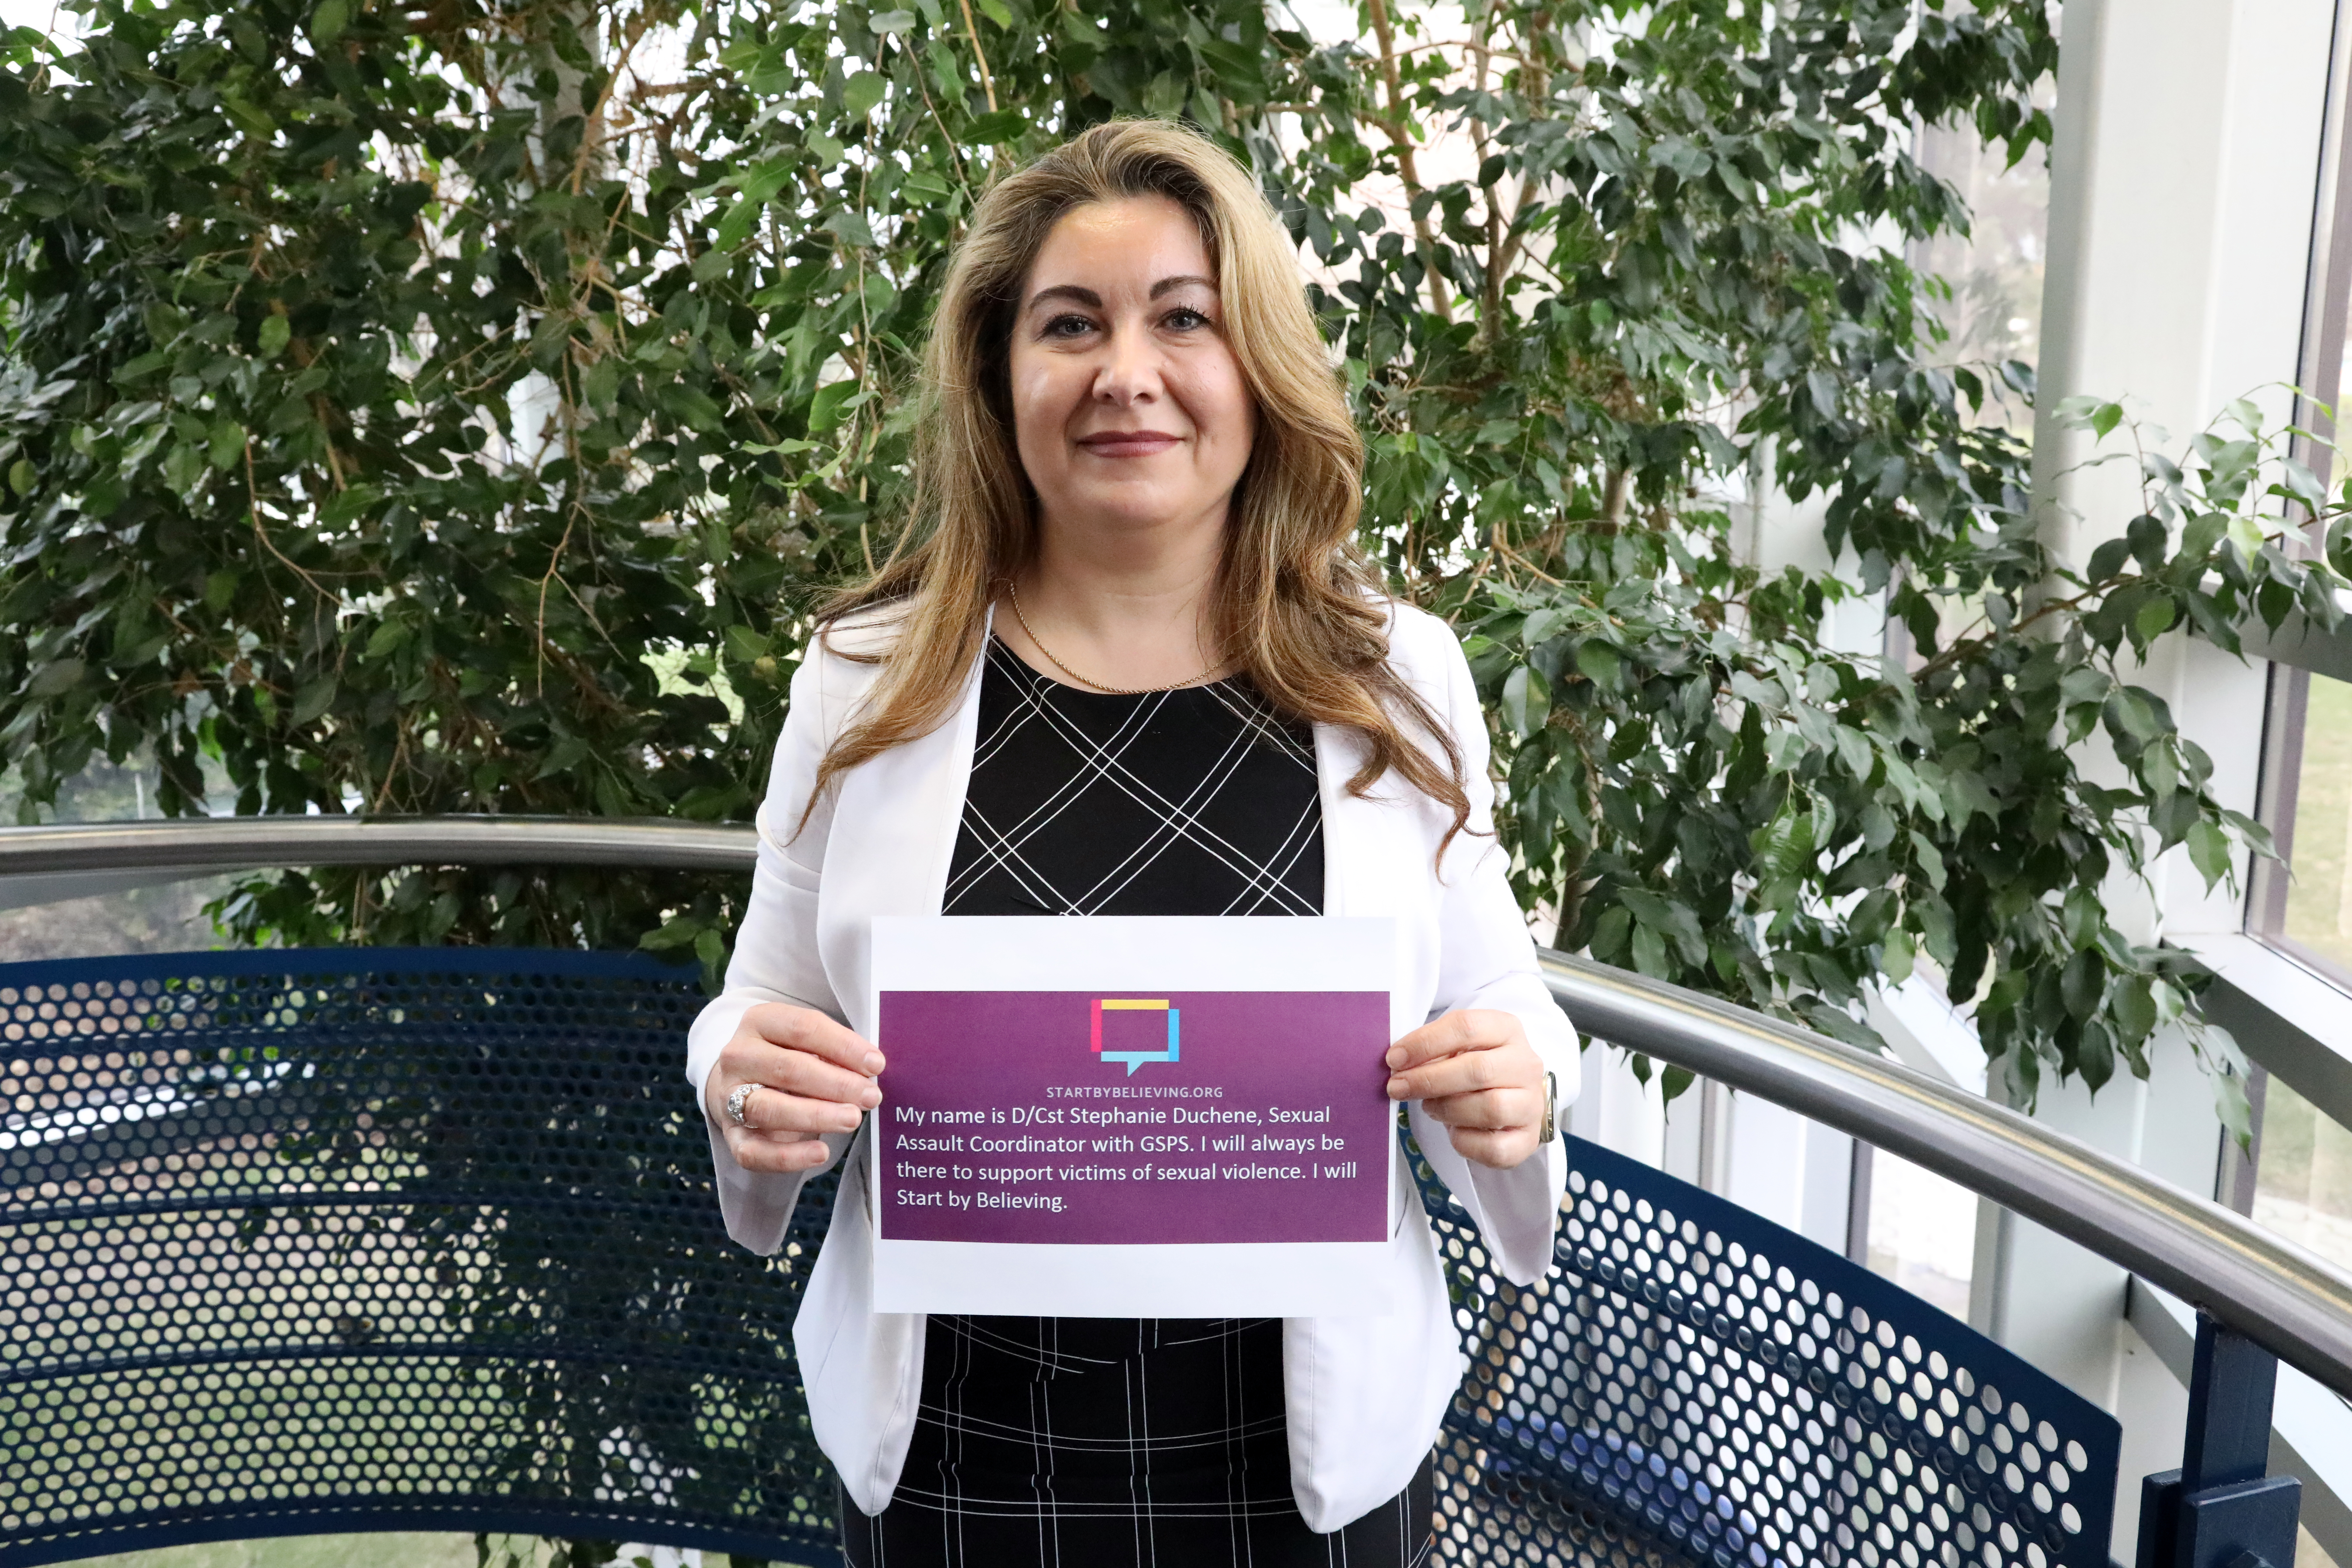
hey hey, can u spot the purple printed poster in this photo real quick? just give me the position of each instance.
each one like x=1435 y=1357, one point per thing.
x=1132 y=1116
x=1073 y=1118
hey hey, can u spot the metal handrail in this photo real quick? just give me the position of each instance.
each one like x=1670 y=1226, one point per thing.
x=197 y=845
x=2270 y=1290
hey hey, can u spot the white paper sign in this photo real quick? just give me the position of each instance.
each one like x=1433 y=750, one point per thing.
x=1118 y=1117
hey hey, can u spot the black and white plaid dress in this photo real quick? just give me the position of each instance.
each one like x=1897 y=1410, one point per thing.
x=1089 y=1442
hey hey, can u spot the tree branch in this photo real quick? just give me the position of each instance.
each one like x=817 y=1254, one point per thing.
x=1401 y=138
x=987 y=82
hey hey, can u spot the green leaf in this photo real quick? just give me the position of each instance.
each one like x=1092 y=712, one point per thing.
x=2209 y=851
x=2134 y=1008
x=2108 y=560
x=2128 y=714
x=2094 y=1056
x=861 y=93
x=2153 y=619
x=1612 y=935
x=56 y=677
x=697 y=408
x=1599 y=664
x=313 y=698
x=680 y=930
x=2230 y=1103
x=23 y=476
x=225 y=445
x=1896 y=957
x=2202 y=534
x=276 y=332
x=1527 y=702
x=735 y=226
x=248 y=114
x=2246 y=534
x=825 y=409
x=1784 y=847
x=2083 y=983
x=327 y=23
x=1853 y=750
x=2081 y=917
x=1541 y=626
x=602 y=383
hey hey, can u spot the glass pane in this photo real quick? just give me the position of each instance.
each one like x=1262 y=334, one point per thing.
x=2316 y=913
x=166 y=918
x=2303 y=1182
x=1923 y=1232
x=331 y=1552
x=1994 y=271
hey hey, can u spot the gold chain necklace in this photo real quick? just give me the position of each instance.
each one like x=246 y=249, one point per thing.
x=1014 y=594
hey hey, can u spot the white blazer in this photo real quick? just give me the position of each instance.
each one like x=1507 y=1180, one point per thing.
x=1364 y=1395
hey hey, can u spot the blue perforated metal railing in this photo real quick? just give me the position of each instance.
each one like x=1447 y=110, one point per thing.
x=301 y=1242
x=1729 y=1393
x=573 y=1350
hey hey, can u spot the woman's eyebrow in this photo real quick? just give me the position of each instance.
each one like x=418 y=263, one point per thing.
x=1093 y=301
x=1086 y=296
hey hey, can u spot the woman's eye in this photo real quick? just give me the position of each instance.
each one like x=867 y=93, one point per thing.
x=1184 y=319
x=1068 y=326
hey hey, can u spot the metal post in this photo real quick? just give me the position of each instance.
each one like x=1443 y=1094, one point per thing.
x=2222 y=1508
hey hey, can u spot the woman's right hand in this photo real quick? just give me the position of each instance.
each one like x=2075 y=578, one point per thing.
x=810 y=1077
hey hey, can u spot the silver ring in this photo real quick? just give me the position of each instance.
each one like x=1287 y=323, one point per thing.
x=737 y=1098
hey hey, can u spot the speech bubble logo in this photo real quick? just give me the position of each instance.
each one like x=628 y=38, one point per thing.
x=1135 y=1059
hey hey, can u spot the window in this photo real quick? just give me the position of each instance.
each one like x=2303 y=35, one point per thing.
x=2303 y=1181
x=165 y=916
x=1923 y=1232
x=2304 y=909
x=1994 y=271
x=2304 y=906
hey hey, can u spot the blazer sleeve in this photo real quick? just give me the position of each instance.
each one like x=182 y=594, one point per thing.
x=775 y=957
x=1487 y=960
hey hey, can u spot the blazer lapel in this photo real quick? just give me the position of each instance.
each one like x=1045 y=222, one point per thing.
x=901 y=812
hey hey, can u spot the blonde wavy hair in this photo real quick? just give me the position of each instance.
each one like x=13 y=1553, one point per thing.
x=1296 y=605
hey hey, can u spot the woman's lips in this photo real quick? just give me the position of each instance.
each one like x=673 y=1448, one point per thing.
x=1127 y=443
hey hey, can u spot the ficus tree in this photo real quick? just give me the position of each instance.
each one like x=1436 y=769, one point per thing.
x=458 y=406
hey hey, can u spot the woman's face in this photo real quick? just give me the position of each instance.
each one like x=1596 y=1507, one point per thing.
x=1128 y=407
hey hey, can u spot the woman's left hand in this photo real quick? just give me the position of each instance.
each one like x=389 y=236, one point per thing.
x=1475 y=1072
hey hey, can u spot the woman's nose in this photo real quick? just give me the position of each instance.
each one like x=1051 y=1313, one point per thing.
x=1129 y=370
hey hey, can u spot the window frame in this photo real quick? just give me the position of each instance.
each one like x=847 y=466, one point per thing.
x=2299 y=651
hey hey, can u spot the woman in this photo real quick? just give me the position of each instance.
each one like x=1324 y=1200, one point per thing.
x=1136 y=666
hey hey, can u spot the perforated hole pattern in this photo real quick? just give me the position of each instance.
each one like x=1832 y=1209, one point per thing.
x=1724 y=1392
x=311 y=1241
x=304 y=1241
